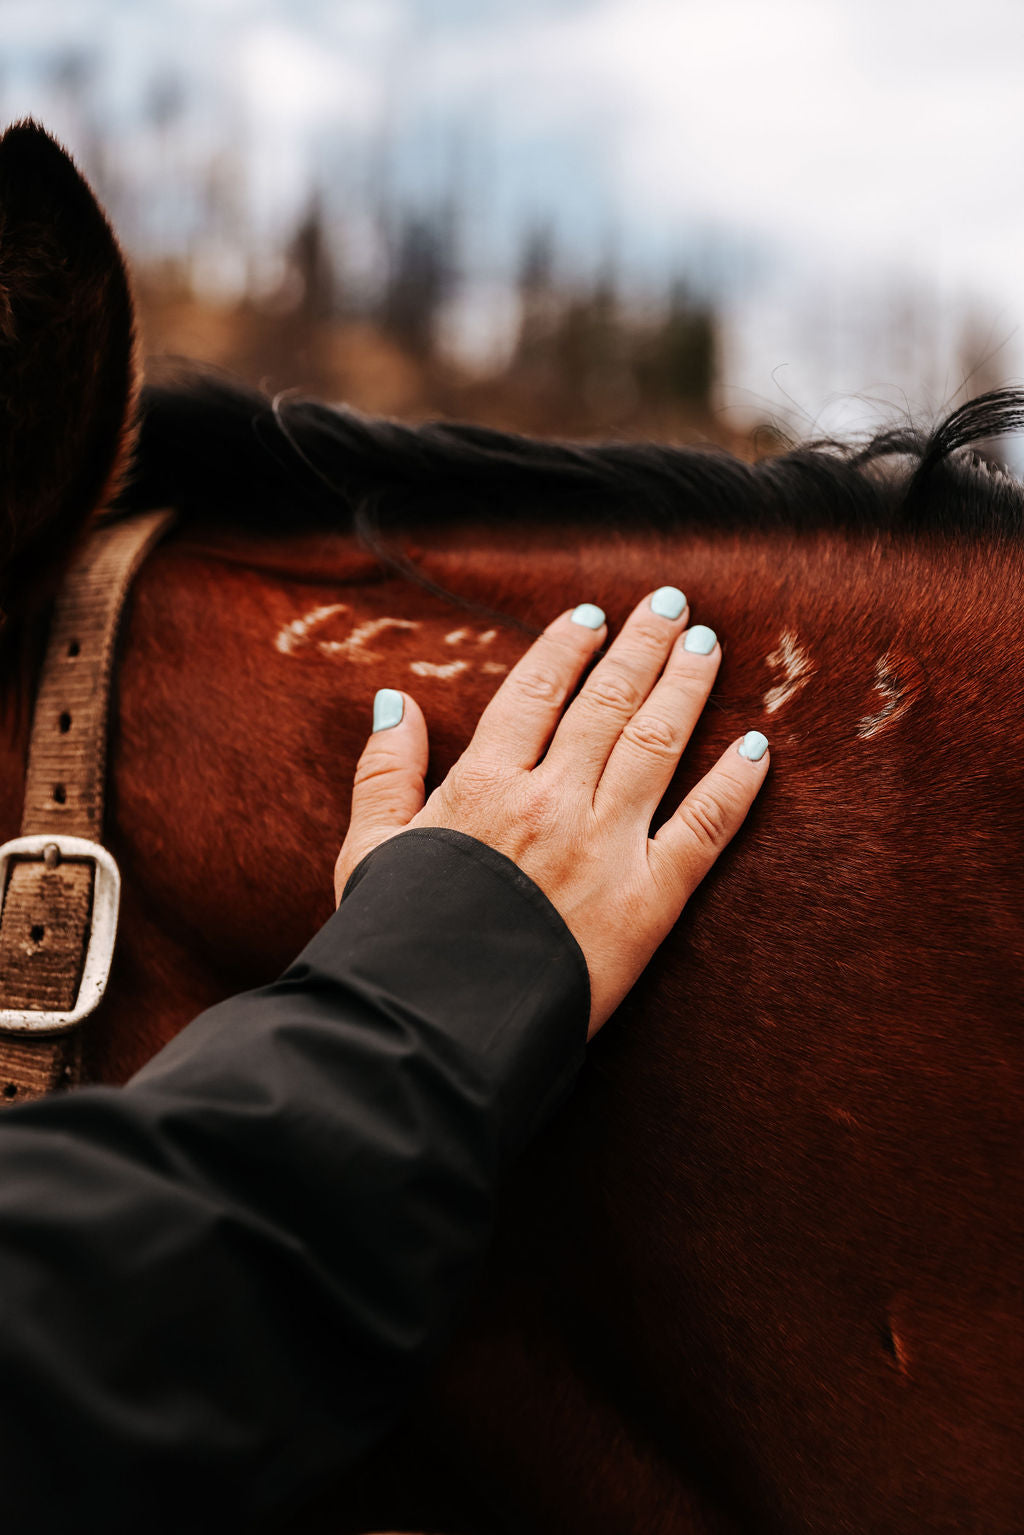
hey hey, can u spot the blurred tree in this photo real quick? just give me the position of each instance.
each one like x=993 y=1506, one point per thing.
x=288 y=330
x=310 y=258
x=590 y=343
x=422 y=271
x=675 y=362
x=538 y=296
x=223 y=216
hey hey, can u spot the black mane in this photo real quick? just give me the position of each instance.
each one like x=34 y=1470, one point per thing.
x=225 y=453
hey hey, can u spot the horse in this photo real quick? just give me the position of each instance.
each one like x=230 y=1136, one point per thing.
x=762 y=1273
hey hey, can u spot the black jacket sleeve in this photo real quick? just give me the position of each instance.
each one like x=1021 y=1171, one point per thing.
x=221 y=1282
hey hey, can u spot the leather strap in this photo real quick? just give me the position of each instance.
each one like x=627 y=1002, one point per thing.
x=47 y=906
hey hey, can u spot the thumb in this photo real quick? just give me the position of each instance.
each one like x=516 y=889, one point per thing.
x=388 y=789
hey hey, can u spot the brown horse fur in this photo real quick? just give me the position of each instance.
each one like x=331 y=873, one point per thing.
x=763 y=1275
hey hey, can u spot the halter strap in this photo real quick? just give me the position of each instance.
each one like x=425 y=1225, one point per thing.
x=59 y=886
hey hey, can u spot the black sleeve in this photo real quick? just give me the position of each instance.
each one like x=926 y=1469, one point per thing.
x=221 y=1282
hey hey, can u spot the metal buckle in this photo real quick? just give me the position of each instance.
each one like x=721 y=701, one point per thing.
x=106 y=897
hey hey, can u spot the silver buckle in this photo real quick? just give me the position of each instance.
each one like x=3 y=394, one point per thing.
x=106 y=897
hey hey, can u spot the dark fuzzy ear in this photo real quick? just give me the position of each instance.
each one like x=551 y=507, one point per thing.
x=67 y=359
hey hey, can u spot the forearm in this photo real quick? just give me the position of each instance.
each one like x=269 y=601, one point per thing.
x=224 y=1279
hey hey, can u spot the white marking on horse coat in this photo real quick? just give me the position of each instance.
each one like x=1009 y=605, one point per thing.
x=436 y=669
x=301 y=632
x=797 y=668
x=295 y=636
x=356 y=647
x=458 y=635
x=896 y=701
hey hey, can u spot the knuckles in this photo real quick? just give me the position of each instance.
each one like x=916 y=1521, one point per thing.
x=468 y=784
x=535 y=686
x=611 y=688
x=648 y=638
x=477 y=788
x=653 y=736
x=372 y=767
x=543 y=805
x=518 y=809
x=707 y=819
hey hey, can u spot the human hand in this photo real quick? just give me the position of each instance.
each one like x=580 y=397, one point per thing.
x=570 y=797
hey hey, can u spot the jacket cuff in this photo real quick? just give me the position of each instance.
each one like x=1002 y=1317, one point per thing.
x=449 y=933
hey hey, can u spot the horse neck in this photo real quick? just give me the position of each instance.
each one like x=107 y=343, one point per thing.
x=248 y=667
x=762 y=1229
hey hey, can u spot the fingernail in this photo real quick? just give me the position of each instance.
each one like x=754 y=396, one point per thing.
x=753 y=746
x=588 y=615
x=388 y=707
x=668 y=602
x=700 y=640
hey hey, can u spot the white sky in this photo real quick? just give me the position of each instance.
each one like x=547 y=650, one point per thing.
x=811 y=157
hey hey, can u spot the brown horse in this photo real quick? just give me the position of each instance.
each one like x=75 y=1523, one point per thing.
x=763 y=1275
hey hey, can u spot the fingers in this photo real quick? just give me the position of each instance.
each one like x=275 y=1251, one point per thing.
x=617 y=687
x=516 y=726
x=388 y=789
x=708 y=818
x=647 y=752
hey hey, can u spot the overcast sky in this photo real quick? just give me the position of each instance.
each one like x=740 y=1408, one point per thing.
x=808 y=156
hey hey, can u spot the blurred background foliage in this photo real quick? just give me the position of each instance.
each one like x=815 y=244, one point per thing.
x=422 y=293
x=583 y=359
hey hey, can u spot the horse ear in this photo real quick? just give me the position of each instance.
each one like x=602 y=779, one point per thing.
x=68 y=376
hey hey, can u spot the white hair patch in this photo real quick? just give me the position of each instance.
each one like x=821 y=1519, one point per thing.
x=797 y=669
x=297 y=635
x=300 y=634
x=896 y=700
x=357 y=646
x=438 y=669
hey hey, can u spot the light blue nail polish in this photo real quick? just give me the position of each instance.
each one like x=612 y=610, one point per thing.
x=388 y=708
x=700 y=640
x=588 y=615
x=753 y=746
x=668 y=602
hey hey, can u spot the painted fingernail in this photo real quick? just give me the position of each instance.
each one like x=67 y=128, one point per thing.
x=668 y=602
x=388 y=707
x=588 y=615
x=700 y=640
x=753 y=746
